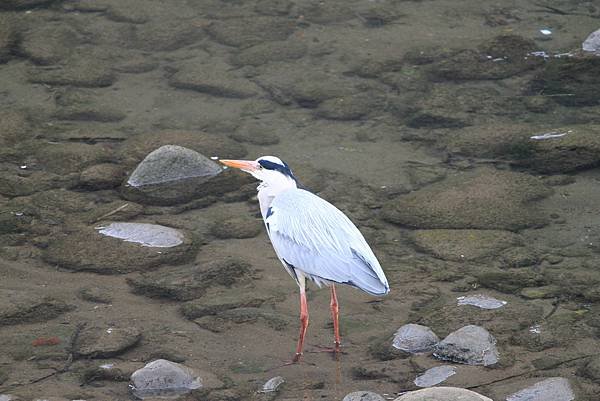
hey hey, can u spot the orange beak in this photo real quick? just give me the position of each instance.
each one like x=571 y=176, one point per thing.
x=245 y=165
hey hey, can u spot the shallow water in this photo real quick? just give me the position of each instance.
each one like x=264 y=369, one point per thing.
x=433 y=124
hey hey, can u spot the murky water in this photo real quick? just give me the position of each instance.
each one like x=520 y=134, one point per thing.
x=462 y=137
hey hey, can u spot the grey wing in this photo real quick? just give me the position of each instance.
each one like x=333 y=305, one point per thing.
x=311 y=235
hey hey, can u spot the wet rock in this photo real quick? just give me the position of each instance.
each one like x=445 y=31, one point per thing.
x=591 y=369
x=592 y=43
x=213 y=78
x=414 y=338
x=105 y=341
x=435 y=375
x=136 y=148
x=162 y=378
x=519 y=256
x=544 y=292
x=471 y=345
x=509 y=281
x=14 y=127
x=288 y=84
x=442 y=393
x=101 y=176
x=8 y=38
x=499 y=58
x=84 y=249
x=81 y=70
x=237 y=227
x=363 y=396
x=273 y=384
x=263 y=53
x=552 y=389
x=461 y=245
x=151 y=235
x=575 y=76
x=352 y=107
x=18 y=307
x=246 y=32
x=223 y=321
x=257 y=133
x=96 y=294
x=485 y=199
x=166 y=34
x=190 y=282
x=174 y=174
x=481 y=301
x=215 y=304
x=577 y=149
x=63 y=158
x=49 y=43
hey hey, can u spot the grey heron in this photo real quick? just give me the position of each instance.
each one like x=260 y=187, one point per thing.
x=312 y=238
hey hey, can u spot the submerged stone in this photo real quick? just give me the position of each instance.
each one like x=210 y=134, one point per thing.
x=471 y=345
x=363 y=396
x=435 y=375
x=105 y=341
x=272 y=384
x=162 y=378
x=481 y=301
x=152 y=235
x=415 y=338
x=17 y=307
x=442 y=393
x=552 y=389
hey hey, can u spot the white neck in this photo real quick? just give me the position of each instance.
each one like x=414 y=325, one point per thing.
x=267 y=191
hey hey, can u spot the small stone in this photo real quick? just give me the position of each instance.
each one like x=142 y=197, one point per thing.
x=105 y=341
x=96 y=294
x=363 y=396
x=152 y=235
x=273 y=384
x=414 y=338
x=435 y=375
x=162 y=378
x=442 y=393
x=471 y=345
x=552 y=389
x=592 y=43
x=481 y=301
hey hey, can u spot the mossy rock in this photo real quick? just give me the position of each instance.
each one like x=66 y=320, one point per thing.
x=481 y=199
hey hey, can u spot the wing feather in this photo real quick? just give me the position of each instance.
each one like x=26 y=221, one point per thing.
x=311 y=235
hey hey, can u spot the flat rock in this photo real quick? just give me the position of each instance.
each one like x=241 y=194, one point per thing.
x=105 y=341
x=484 y=199
x=18 y=307
x=363 y=396
x=213 y=78
x=246 y=32
x=435 y=375
x=162 y=378
x=414 y=338
x=552 y=389
x=190 y=282
x=213 y=305
x=442 y=393
x=460 y=245
x=173 y=174
x=84 y=249
x=151 y=235
x=480 y=301
x=63 y=158
x=81 y=70
x=101 y=176
x=223 y=321
x=471 y=345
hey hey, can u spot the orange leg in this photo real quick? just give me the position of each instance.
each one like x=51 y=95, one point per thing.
x=303 y=324
x=335 y=313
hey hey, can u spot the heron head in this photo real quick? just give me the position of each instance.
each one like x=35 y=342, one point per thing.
x=269 y=169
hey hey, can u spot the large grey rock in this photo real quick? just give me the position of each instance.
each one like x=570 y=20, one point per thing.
x=415 y=338
x=170 y=175
x=592 y=43
x=442 y=394
x=162 y=378
x=471 y=345
x=363 y=396
x=552 y=389
x=152 y=235
x=435 y=375
x=104 y=341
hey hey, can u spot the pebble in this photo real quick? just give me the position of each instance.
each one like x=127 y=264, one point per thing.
x=162 y=378
x=481 y=301
x=592 y=43
x=552 y=389
x=471 y=345
x=435 y=375
x=363 y=396
x=415 y=338
x=272 y=384
x=152 y=235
